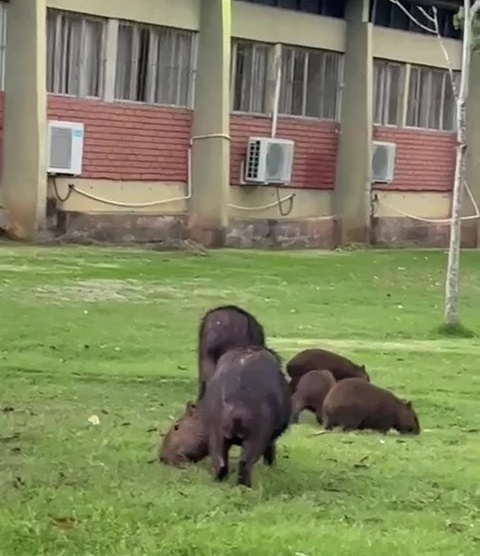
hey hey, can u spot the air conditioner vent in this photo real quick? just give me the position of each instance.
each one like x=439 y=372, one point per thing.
x=383 y=162
x=269 y=161
x=65 y=148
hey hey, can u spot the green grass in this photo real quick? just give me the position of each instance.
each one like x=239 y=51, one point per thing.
x=112 y=333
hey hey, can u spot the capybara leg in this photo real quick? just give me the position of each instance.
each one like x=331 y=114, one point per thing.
x=318 y=415
x=328 y=424
x=296 y=410
x=270 y=454
x=201 y=390
x=251 y=452
x=219 y=454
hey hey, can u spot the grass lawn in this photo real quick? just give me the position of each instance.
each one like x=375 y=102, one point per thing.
x=112 y=332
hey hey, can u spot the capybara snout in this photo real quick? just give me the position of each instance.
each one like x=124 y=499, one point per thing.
x=186 y=441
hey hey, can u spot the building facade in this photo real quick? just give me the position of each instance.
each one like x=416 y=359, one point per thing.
x=170 y=92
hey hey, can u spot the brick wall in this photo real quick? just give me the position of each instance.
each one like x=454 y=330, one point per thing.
x=315 y=147
x=425 y=160
x=125 y=141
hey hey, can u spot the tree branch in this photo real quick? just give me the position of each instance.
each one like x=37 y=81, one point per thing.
x=433 y=19
x=412 y=18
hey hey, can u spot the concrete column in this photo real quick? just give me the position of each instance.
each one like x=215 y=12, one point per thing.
x=208 y=207
x=472 y=229
x=24 y=180
x=352 y=187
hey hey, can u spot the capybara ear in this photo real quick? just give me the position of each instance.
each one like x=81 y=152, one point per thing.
x=190 y=407
x=408 y=403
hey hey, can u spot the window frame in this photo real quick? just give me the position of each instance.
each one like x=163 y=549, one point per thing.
x=340 y=60
x=60 y=53
x=339 y=88
x=387 y=65
x=233 y=75
x=151 y=80
x=445 y=80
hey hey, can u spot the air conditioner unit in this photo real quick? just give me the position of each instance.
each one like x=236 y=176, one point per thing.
x=269 y=161
x=383 y=162
x=65 y=148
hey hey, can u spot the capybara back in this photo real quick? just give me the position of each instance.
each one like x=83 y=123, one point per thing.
x=312 y=359
x=221 y=329
x=247 y=403
x=354 y=403
x=311 y=392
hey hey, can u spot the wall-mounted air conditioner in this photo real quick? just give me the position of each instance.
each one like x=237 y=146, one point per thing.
x=383 y=162
x=269 y=161
x=65 y=148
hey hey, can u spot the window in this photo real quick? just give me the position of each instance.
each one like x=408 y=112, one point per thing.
x=431 y=102
x=388 y=88
x=386 y=14
x=74 y=54
x=155 y=64
x=310 y=83
x=330 y=8
x=3 y=43
x=249 y=72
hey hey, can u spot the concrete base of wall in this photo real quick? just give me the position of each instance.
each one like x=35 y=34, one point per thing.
x=121 y=228
x=170 y=229
x=407 y=232
x=318 y=233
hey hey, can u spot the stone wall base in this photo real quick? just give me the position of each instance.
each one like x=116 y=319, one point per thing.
x=310 y=233
x=408 y=232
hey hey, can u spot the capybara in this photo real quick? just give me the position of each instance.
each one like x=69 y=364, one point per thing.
x=186 y=441
x=354 y=403
x=221 y=329
x=310 y=393
x=247 y=403
x=312 y=359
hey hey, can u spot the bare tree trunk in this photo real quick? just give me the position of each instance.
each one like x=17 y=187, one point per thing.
x=452 y=317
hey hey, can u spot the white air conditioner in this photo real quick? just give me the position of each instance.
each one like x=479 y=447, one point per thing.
x=383 y=162
x=269 y=161
x=65 y=148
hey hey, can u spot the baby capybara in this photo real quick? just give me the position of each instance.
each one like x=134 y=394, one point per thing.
x=311 y=391
x=354 y=403
x=311 y=359
x=186 y=441
x=247 y=403
x=221 y=329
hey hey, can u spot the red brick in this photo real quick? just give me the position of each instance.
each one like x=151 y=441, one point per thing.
x=316 y=144
x=425 y=160
x=128 y=141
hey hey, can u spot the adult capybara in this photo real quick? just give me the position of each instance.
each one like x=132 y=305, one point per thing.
x=310 y=393
x=354 y=403
x=247 y=403
x=221 y=329
x=312 y=359
x=186 y=441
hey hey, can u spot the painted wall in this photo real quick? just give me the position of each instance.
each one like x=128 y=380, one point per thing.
x=127 y=141
x=2 y=99
x=425 y=160
x=315 y=147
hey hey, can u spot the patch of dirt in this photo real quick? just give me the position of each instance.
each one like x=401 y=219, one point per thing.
x=95 y=291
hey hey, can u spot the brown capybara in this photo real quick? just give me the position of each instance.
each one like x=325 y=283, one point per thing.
x=186 y=441
x=221 y=329
x=247 y=403
x=311 y=359
x=310 y=393
x=356 y=404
